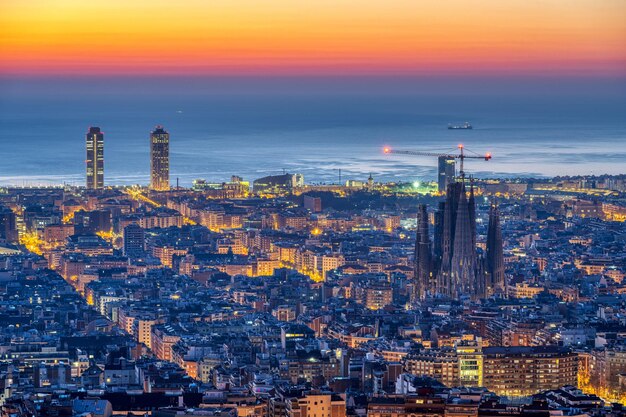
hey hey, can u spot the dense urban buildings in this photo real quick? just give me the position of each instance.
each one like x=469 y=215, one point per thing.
x=219 y=282
x=159 y=159
x=95 y=158
x=292 y=299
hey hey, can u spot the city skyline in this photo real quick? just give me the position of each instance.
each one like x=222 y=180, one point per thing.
x=505 y=68
x=312 y=209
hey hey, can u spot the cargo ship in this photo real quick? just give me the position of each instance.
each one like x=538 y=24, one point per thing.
x=466 y=125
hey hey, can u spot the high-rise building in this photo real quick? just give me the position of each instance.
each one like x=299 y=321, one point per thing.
x=134 y=241
x=8 y=225
x=159 y=159
x=445 y=172
x=496 y=283
x=95 y=158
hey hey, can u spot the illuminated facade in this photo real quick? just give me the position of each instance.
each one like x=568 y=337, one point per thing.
x=159 y=159
x=522 y=371
x=469 y=353
x=311 y=405
x=440 y=364
x=95 y=158
x=513 y=371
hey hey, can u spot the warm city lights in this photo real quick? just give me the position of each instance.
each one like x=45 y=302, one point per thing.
x=237 y=208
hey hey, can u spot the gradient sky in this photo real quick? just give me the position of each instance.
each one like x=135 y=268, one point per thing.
x=305 y=37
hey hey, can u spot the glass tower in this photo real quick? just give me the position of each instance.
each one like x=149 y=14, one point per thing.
x=95 y=158
x=445 y=172
x=159 y=159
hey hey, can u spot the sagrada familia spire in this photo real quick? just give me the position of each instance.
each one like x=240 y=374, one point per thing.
x=423 y=255
x=451 y=267
x=463 y=276
x=496 y=281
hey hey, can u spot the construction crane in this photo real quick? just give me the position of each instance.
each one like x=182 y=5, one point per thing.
x=460 y=156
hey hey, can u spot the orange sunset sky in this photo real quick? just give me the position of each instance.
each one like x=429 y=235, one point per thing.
x=111 y=37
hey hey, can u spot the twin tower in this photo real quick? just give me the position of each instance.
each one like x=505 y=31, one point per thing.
x=451 y=266
x=159 y=159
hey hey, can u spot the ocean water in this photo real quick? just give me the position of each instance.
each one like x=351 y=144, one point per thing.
x=260 y=127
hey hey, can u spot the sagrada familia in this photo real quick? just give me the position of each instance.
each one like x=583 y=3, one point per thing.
x=450 y=266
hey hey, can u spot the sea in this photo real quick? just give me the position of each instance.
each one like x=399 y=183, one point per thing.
x=328 y=129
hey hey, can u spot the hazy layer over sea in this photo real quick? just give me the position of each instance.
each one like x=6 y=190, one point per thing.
x=315 y=126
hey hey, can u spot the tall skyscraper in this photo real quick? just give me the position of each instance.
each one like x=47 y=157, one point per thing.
x=159 y=159
x=445 y=172
x=423 y=256
x=496 y=282
x=95 y=158
x=134 y=241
